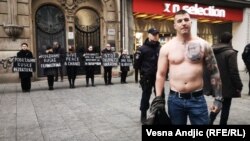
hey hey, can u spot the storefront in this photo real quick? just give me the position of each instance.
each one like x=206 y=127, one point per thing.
x=208 y=21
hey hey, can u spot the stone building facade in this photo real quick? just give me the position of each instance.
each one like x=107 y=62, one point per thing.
x=79 y=23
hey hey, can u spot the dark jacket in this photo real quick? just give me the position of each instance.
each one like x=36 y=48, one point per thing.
x=157 y=113
x=136 y=59
x=107 y=51
x=60 y=51
x=246 y=55
x=25 y=54
x=90 y=68
x=148 y=58
x=50 y=71
x=226 y=58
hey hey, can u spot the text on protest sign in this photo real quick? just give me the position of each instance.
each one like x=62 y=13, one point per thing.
x=109 y=59
x=126 y=61
x=24 y=64
x=92 y=59
x=50 y=60
x=72 y=59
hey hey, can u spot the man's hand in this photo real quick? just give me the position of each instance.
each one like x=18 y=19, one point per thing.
x=216 y=107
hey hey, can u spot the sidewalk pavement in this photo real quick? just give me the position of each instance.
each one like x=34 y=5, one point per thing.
x=101 y=113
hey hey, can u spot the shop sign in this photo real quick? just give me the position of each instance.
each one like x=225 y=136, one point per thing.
x=168 y=8
x=196 y=10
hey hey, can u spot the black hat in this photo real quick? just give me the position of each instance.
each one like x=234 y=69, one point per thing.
x=153 y=31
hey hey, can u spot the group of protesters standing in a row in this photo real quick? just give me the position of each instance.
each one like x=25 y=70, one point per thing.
x=53 y=71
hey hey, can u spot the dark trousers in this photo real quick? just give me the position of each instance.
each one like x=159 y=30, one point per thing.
x=107 y=75
x=90 y=74
x=72 y=79
x=50 y=79
x=124 y=76
x=26 y=83
x=147 y=84
x=136 y=75
x=226 y=104
x=59 y=70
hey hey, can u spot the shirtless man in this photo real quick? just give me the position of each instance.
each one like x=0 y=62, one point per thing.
x=183 y=58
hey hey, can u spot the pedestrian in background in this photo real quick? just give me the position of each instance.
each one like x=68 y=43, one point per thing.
x=226 y=58
x=25 y=76
x=135 y=63
x=246 y=59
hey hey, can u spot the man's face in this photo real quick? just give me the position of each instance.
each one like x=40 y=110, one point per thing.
x=55 y=44
x=152 y=37
x=24 y=47
x=108 y=46
x=90 y=48
x=182 y=23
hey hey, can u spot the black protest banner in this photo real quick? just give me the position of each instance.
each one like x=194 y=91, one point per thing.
x=72 y=59
x=50 y=60
x=125 y=61
x=109 y=59
x=24 y=65
x=92 y=59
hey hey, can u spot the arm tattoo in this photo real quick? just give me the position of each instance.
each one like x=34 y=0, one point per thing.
x=211 y=65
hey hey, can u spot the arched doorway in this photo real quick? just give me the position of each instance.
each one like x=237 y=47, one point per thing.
x=87 y=32
x=50 y=26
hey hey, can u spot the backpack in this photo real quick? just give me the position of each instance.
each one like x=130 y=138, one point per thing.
x=246 y=54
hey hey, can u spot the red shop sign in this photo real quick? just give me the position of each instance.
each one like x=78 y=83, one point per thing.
x=196 y=10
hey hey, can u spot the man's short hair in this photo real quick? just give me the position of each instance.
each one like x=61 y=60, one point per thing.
x=24 y=44
x=181 y=12
x=226 y=37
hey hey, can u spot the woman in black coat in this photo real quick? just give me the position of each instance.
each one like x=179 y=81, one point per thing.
x=71 y=71
x=25 y=76
x=90 y=70
x=50 y=72
x=124 y=68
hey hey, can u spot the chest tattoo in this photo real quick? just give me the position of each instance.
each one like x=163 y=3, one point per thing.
x=194 y=51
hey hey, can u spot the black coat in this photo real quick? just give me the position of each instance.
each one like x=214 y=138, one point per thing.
x=62 y=53
x=136 y=59
x=226 y=58
x=50 y=71
x=148 y=58
x=25 y=54
x=90 y=69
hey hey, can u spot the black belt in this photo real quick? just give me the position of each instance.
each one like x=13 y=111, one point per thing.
x=187 y=95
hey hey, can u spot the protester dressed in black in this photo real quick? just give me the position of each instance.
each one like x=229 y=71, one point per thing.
x=90 y=70
x=57 y=49
x=124 y=69
x=25 y=76
x=107 y=69
x=50 y=72
x=71 y=70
